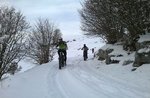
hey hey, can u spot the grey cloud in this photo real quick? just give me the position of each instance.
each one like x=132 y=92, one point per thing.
x=64 y=12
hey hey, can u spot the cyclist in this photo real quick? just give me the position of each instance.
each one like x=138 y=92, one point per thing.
x=62 y=47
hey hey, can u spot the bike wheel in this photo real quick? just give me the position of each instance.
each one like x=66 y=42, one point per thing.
x=59 y=63
x=61 y=60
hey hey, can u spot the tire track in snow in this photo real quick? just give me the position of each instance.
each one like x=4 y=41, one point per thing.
x=73 y=87
x=88 y=79
x=82 y=81
x=126 y=88
x=53 y=88
x=67 y=84
x=106 y=84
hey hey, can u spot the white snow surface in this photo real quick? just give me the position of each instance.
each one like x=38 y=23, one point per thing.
x=144 y=50
x=79 y=79
x=145 y=37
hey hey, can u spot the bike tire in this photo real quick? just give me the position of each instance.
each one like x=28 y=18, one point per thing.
x=61 y=60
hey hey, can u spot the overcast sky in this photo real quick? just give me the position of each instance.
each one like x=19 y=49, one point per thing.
x=64 y=13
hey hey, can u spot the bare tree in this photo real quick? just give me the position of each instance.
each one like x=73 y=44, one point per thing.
x=109 y=18
x=56 y=36
x=97 y=19
x=42 y=41
x=12 y=26
x=134 y=15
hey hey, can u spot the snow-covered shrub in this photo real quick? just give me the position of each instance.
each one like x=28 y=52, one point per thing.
x=42 y=41
x=12 y=28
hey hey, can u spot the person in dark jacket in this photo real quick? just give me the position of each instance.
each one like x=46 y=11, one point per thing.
x=85 y=51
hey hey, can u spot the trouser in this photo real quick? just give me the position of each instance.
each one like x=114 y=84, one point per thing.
x=65 y=53
x=85 y=54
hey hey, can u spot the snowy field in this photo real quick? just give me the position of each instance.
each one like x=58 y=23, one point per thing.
x=79 y=79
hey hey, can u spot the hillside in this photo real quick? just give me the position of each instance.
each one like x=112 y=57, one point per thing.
x=79 y=79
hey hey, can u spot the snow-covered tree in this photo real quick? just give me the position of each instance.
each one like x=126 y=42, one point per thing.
x=42 y=41
x=108 y=18
x=12 y=28
x=134 y=15
x=97 y=17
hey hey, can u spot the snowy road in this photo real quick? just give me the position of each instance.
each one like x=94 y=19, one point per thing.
x=79 y=79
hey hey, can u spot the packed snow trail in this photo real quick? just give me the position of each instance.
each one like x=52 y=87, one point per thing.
x=79 y=79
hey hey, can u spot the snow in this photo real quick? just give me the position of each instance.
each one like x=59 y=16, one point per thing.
x=4 y=3
x=144 y=50
x=79 y=79
x=145 y=37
